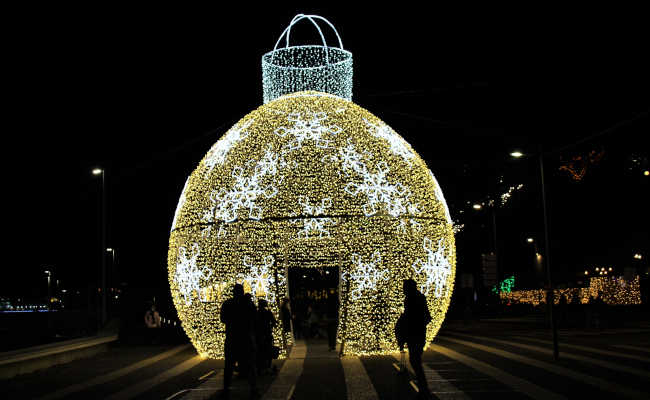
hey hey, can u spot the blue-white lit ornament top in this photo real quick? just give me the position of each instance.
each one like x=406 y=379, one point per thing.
x=319 y=68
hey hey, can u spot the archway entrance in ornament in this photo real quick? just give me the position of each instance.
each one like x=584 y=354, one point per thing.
x=313 y=290
x=312 y=269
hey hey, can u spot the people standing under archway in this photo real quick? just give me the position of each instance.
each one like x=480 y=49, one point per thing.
x=264 y=325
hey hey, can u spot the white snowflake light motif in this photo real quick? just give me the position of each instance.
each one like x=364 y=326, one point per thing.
x=181 y=203
x=377 y=189
x=307 y=126
x=412 y=223
x=436 y=268
x=260 y=278
x=397 y=145
x=350 y=159
x=189 y=275
x=219 y=151
x=315 y=225
x=365 y=276
x=246 y=191
x=441 y=197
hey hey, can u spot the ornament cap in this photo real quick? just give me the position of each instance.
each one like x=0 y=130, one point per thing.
x=319 y=68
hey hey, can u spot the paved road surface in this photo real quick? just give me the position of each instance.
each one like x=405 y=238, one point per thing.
x=461 y=364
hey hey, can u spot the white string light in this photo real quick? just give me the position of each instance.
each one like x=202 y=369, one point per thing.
x=397 y=145
x=260 y=278
x=365 y=275
x=313 y=222
x=246 y=190
x=181 y=203
x=298 y=68
x=436 y=268
x=189 y=275
x=218 y=152
x=307 y=126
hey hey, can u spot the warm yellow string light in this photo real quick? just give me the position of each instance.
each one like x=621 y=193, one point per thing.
x=612 y=290
x=311 y=180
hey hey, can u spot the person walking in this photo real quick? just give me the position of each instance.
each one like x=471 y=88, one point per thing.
x=238 y=314
x=411 y=329
x=265 y=324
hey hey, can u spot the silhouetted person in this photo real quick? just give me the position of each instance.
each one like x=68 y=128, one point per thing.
x=332 y=314
x=238 y=314
x=285 y=315
x=249 y=299
x=265 y=324
x=411 y=329
x=152 y=322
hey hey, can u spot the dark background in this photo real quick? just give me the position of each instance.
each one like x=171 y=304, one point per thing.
x=145 y=92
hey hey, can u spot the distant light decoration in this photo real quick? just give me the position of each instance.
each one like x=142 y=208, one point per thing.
x=508 y=194
x=311 y=183
x=291 y=69
x=612 y=290
x=577 y=166
x=505 y=285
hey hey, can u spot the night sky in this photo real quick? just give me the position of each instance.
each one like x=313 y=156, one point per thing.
x=144 y=93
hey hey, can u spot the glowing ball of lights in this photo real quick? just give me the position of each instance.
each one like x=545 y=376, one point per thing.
x=311 y=180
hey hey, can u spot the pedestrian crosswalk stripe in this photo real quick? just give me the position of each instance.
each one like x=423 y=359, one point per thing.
x=437 y=384
x=565 y=354
x=642 y=349
x=99 y=380
x=589 y=349
x=141 y=387
x=553 y=368
x=284 y=384
x=357 y=381
x=518 y=384
x=206 y=390
x=206 y=375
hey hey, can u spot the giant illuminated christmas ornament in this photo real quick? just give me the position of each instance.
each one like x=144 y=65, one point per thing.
x=310 y=179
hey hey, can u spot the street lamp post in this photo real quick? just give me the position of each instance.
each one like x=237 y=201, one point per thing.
x=538 y=257
x=112 y=271
x=549 y=294
x=102 y=313
x=49 y=288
